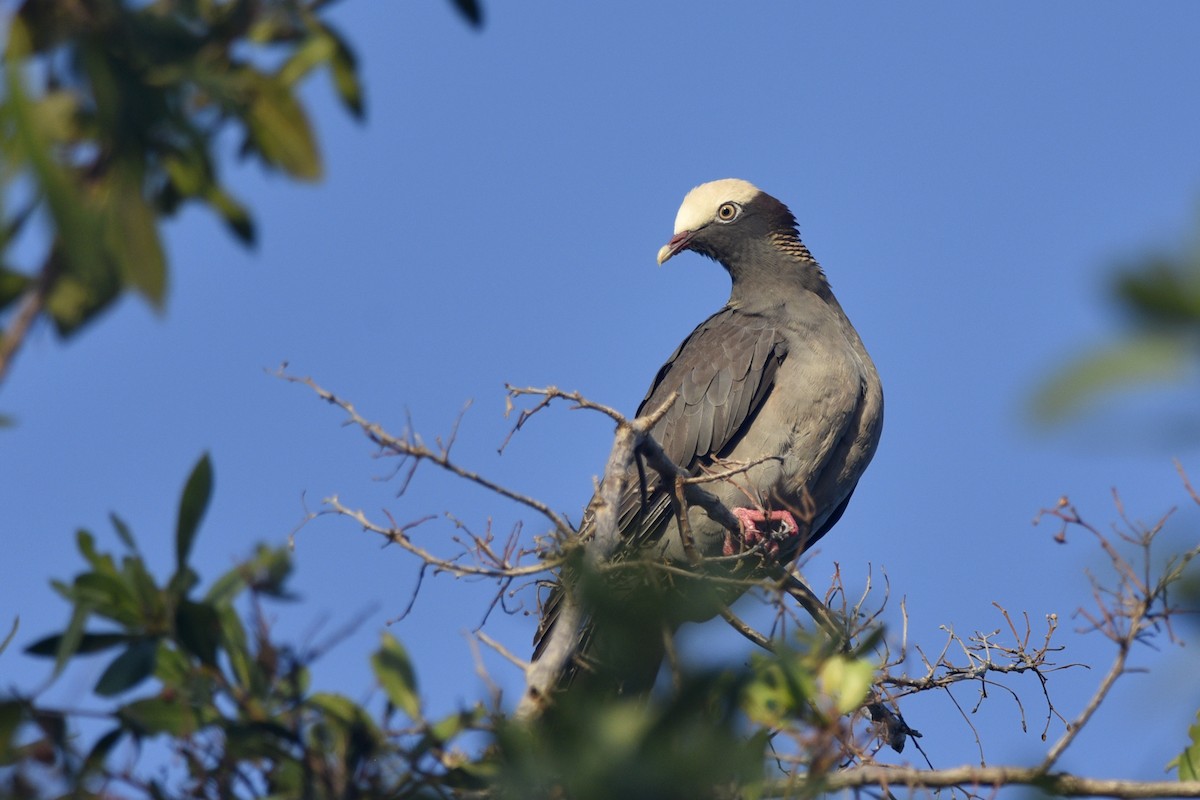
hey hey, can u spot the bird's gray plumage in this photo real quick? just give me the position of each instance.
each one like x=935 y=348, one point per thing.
x=777 y=378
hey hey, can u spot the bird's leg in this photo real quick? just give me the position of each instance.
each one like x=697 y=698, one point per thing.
x=752 y=534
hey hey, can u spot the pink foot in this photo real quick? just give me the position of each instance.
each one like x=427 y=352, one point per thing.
x=752 y=535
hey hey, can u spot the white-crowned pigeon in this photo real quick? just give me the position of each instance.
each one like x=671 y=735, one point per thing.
x=776 y=383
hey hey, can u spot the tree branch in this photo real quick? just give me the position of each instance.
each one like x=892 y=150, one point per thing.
x=1054 y=783
x=33 y=301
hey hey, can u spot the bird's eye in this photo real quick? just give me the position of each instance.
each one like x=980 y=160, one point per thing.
x=728 y=212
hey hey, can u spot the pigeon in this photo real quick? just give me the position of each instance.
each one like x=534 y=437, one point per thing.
x=774 y=397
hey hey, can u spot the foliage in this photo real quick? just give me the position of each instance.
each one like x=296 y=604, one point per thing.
x=197 y=676
x=116 y=113
x=1187 y=763
x=1159 y=296
x=124 y=124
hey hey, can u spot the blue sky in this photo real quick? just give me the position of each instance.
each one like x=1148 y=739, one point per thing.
x=967 y=176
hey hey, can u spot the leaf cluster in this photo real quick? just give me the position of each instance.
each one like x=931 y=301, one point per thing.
x=1159 y=297
x=112 y=118
x=197 y=673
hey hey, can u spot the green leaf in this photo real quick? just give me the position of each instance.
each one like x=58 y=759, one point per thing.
x=444 y=730
x=233 y=636
x=1142 y=358
x=74 y=301
x=86 y=544
x=168 y=713
x=247 y=741
x=149 y=609
x=1188 y=762
x=316 y=49
x=394 y=671
x=173 y=667
x=55 y=116
x=12 y=284
x=68 y=643
x=88 y=643
x=108 y=596
x=12 y=714
x=129 y=669
x=187 y=172
x=347 y=729
x=123 y=532
x=198 y=628
x=77 y=225
x=770 y=698
x=280 y=130
x=234 y=213
x=131 y=228
x=343 y=67
x=846 y=681
x=1162 y=291
x=182 y=583
x=192 y=506
x=103 y=746
x=226 y=588
x=12 y=632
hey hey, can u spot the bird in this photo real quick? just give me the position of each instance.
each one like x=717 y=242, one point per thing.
x=774 y=395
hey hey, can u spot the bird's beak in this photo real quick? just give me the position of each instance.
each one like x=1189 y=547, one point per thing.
x=679 y=241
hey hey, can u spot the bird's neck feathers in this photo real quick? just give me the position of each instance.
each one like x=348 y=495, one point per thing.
x=779 y=263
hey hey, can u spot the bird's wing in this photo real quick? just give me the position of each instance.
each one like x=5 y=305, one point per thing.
x=722 y=371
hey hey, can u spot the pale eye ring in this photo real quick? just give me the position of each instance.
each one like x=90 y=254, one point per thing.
x=728 y=212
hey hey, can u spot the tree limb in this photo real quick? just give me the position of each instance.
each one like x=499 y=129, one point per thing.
x=1054 y=783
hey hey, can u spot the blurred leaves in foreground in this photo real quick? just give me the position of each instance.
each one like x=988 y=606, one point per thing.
x=1160 y=298
x=110 y=121
x=196 y=674
x=116 y=113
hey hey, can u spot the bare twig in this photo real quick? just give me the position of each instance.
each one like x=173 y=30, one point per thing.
x=32 y=302
x=398 y=534
x=412 y=447
x=1055 y=783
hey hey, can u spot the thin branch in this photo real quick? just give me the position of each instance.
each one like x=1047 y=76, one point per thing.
x=398 y=535
x=520 y=664
x=31 y=305
x=413 y=447
x=1115 y=671
x=1054 y=783
x=543 y=674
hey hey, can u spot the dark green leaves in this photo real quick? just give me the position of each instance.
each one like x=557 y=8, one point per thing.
x=127 y=595
x=1162 y=292
x=196 y=494
x=470 y=10
x=198 y=628
x=129 y=101
x=592 y=747
x=128 y=669
x=86 y=643
x=1160 y=297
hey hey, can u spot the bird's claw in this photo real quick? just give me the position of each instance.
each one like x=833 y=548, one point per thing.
x=753 y=535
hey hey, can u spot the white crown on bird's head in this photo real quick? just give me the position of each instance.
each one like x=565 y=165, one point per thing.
x=700 y=204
